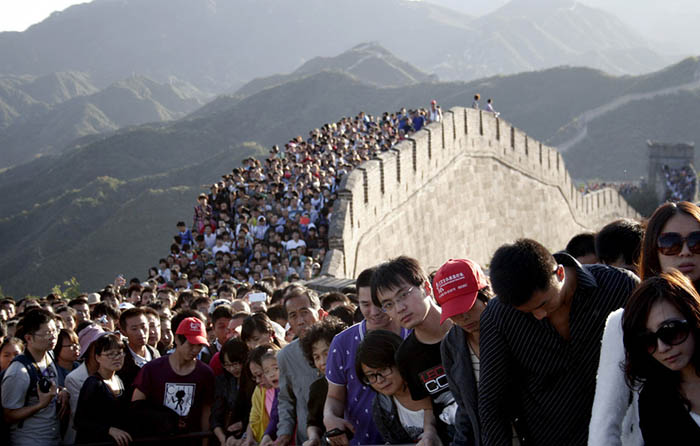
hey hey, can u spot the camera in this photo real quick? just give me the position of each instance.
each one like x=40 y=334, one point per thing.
x=44 y=384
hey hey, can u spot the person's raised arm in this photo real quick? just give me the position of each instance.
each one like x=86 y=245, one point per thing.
x=495 y=383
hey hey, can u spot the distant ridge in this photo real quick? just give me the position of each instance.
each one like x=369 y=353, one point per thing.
x=41 y=115
x=367 y=62
x=220 y=45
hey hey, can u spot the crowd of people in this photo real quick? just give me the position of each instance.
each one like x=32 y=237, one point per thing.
x=624 y=188
x=595 y=344
x=268 y=220
x=681 y=183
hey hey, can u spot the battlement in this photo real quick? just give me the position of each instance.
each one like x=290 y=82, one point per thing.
x=461 y=187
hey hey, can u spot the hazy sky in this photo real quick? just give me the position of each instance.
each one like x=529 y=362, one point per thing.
x=18 y=15
x=671 y=24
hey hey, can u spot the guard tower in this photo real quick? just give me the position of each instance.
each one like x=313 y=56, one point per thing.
x=673 y=156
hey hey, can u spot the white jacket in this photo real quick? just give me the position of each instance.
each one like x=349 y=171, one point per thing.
x=614 y=421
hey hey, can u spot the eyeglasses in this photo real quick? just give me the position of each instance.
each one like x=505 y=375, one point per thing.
x=372 y=378
x=670 y=333
x=73 y=346
x=48 y=334
x=113 y=355
x=228 y=365
x=671 y=243
x=388 y=305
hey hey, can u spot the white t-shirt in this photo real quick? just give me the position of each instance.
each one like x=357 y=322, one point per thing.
x=42 y=428
x=411 y=420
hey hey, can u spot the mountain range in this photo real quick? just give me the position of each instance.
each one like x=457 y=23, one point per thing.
x=218 y=45
x=41 y=115
x=107 y=203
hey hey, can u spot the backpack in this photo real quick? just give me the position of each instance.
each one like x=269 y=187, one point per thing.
x=34 y=377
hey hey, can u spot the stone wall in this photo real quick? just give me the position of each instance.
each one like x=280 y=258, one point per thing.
x=460 y=188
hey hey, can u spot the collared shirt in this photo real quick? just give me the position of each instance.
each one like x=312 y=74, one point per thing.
x=526 y=363
x=340 y=370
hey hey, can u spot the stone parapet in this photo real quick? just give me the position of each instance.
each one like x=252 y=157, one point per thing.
x=460 y=188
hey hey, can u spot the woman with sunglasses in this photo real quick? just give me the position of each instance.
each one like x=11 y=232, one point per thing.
x=399 y=418
x=671 y=241
x=661 y=324
x=102 y=408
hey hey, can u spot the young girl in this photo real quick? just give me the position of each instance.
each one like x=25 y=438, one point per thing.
x=261 y=401
x=268 y=361
x=101 y=406
x=661 y=325
x=315 y=345
x=399 y=419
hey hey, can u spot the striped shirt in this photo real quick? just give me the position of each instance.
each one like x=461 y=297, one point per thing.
x=530 y=372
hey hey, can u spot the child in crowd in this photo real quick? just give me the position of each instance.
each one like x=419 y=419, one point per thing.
x=315 y=345
x=268 y=361
x=261 y=401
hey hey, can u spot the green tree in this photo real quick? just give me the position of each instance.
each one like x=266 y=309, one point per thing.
x=71 y=290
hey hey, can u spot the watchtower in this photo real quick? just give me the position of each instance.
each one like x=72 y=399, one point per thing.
x=672 y=155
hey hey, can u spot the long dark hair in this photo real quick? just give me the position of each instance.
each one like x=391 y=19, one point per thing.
x=649 y=264
x=676 y=289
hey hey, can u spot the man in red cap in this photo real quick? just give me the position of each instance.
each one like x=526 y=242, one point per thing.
x=462 y=290
x=179 y=380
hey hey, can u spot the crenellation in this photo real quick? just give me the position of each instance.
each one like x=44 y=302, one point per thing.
x=460 y=186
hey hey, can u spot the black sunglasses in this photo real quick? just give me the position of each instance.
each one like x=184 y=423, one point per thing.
x=670 y=333
x=671 y=243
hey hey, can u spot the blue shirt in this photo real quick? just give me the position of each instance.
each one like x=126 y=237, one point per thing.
x=340 y=370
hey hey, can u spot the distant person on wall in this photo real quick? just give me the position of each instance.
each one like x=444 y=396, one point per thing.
x=435 y=112
x=202 y=214
x=489 y=108
x=475 y=103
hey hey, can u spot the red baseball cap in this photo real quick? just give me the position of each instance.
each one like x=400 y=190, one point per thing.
x=193 y=329
x=456 y=285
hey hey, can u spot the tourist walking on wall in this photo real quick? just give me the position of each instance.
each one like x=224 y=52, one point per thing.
x=489 y=108
x=475 y=103
x=435 y=112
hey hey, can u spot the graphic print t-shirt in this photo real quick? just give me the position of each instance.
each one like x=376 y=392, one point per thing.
x=185 y=395
x=421 y=367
